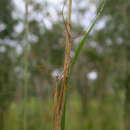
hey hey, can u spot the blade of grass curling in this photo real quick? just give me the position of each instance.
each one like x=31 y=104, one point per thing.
x=85 y=38
x=77 y=52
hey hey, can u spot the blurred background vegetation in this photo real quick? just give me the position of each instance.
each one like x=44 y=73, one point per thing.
x=99 y=93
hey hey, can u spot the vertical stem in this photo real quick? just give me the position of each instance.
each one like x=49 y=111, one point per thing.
x=60 y=95
x=67 y=61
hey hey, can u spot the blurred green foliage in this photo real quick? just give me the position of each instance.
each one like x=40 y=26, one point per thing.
x=39 y=115
x=100 y=104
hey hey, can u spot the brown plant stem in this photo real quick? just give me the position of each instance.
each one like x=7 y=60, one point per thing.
x=61 y=88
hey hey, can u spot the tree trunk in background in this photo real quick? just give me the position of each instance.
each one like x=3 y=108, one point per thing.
x=127 y=104
x=83 y=88
x=102 y=95
x=101 y=90
x=1 y=120
x=84 y=92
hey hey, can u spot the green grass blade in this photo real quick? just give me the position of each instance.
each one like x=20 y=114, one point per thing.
x=85 y=38
x=75 y=58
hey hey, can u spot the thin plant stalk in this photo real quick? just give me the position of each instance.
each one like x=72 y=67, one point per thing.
x=61 y=88
x=63 y=80
x=77 y=53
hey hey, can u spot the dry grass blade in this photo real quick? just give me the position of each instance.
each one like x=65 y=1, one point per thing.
x=61 y=87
